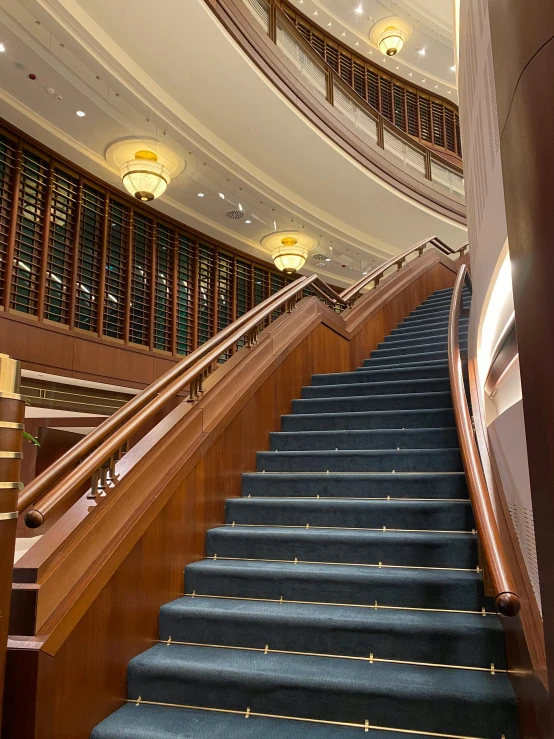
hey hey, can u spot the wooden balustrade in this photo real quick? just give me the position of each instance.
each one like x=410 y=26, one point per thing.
x=430 y=119
x=494 y=559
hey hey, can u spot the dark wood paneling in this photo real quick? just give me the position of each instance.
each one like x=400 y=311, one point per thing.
x=523 y=54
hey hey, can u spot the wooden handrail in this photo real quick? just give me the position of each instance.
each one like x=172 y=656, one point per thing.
x=96 y=455
x=376 y=274
x=495 y=559
x=504 y=355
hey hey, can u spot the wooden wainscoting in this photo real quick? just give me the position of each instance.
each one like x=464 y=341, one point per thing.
x=87 y=595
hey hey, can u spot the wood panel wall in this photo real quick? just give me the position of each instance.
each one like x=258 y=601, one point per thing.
x=71 y=673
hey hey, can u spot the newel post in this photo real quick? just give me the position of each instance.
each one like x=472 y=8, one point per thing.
x=12 y=415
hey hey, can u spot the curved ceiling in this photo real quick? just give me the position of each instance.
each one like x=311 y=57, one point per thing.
x=191 y=86
x=350 y=21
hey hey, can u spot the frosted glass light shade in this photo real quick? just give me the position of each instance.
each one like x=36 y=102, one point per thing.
x=289 y=257
x=145 y=179
x=391 y=41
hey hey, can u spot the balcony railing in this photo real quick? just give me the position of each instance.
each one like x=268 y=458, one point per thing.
x=416 y=131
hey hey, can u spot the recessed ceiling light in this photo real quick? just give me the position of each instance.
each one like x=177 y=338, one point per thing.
x=359 y=10
x=343 y=33
x=397 y=67
x=370 y=51
x=200 y=194
x=423 y=80
x=315 y=12
x=410 y=74
x=329 y=24
x=80 y=113
x=222 y=196
x=453 y=68
x=436 y=87
x=327 y=259
x=449 y=91
x=357 y=43
x=2 y=48
x=248 y=221
x=421 y=51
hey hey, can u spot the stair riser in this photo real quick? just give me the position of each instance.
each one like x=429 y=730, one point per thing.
x=429 y=335
x=429 y=322
x=316 y=697
x=331 y=634
x=444 y=460
x=400 y=375
x=419 y=515
x=413 y=348
x=356 y=486
x=351 y=547
x=378 y=420
x=385 y=439
x=377 y=388
x=361 y=588
x=376 y=403
x=377 y=360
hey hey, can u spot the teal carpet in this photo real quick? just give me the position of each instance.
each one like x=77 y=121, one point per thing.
x=342 y=595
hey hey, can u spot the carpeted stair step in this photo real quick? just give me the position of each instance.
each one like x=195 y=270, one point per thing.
x=458 y=590
x=412 y=549
x=171 y=722
x=416 y=636
x=428 y=699
x=423 y=335
x=433 y=485
x=386 y=460
x=356 y=404
x=421 y=364
x=418 y=323
x=394 y=387
x=411 y=348
x=440 y=370
x=433 y=438
x=410 y=341
x=380 y=359
x=418 y=418
x=416 y=515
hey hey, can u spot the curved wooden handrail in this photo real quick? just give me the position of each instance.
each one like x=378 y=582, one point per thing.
x=495 y=559
x=96 y=454
x=504 y=355
x=376 y=274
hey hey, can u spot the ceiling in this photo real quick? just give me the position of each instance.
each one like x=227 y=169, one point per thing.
x=199 y=94
x=431 y=21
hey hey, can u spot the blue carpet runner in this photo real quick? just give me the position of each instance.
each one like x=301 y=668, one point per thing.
x=342 y=595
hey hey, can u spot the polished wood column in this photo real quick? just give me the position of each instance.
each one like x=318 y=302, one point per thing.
x=523 y=55
x=12 y=414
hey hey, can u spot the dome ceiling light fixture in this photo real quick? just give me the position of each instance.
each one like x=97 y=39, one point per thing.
x=289 y=251
x=391 y=41
x=144 y=177
x=389 y=35
x=146 y=166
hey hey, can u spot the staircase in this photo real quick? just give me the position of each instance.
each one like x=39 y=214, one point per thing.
x=342 y=595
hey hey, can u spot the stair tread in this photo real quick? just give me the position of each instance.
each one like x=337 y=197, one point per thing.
x=166 y=722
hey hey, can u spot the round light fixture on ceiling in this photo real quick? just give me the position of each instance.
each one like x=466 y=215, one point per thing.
x=145 y=166
x=390 y=34
x=289 y=257
x=289 y=250
x=144 y=177
x=391 y=41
